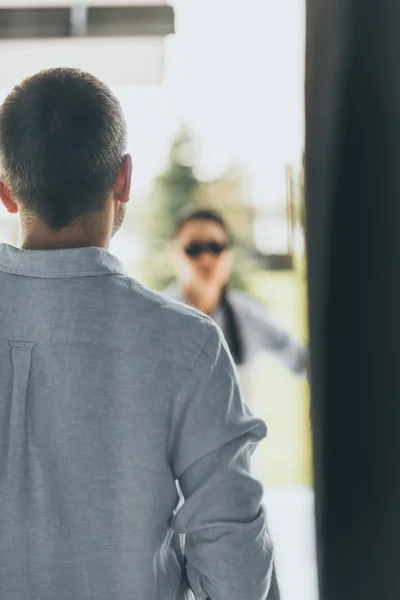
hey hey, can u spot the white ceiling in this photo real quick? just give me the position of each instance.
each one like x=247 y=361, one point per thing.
x=116 y=61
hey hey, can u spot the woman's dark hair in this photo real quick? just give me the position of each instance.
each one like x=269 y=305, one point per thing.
x=201 y=214
x=232 y=334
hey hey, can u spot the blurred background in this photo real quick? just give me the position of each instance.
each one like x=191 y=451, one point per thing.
x=215 y=117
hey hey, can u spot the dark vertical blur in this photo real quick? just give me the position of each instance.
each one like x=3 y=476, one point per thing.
x=353 y=205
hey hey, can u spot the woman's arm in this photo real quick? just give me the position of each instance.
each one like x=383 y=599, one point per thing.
x=265 y=335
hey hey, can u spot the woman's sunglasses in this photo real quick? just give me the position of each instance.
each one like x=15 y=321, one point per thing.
x=196 y=249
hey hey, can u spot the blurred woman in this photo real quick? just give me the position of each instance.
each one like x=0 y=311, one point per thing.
x=203 y=262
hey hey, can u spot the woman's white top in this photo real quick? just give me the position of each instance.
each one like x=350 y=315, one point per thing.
x=259 y=333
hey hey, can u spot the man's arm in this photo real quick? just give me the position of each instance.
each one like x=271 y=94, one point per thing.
x=229 y=552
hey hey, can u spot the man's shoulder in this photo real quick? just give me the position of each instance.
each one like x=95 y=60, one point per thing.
x=176 y=332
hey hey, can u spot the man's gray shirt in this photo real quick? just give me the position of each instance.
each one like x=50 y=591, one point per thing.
x=111 y=396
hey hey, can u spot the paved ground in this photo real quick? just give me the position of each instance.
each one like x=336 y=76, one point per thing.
x=291 y=523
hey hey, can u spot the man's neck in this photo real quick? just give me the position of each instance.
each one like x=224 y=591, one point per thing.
x=37 y=236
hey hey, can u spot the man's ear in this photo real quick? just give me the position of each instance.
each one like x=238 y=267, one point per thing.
x=122 y=190
x=8 y=201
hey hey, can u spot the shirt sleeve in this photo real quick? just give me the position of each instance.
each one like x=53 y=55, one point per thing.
x=272 y=338
x=228 y=551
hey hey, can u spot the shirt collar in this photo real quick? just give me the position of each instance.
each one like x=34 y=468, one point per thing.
x=72 y=262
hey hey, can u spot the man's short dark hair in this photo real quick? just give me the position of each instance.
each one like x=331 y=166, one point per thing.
x=62 y=142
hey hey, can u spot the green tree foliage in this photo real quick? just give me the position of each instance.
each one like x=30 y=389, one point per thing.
x=173 y=190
